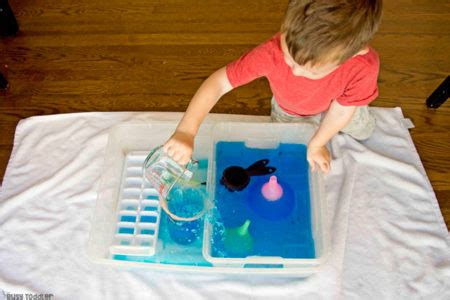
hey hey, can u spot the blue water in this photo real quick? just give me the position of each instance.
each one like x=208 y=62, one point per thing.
x=147 y=231
x=126 y=230
x=289 y=236
x=148 y=219
x=186 y=202
x=150 y=208
x=128 y=219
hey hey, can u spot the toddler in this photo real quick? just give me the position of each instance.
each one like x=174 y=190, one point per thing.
x=320 y=69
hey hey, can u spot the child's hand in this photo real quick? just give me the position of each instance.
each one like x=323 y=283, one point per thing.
x=318 y=155
x=180 y=146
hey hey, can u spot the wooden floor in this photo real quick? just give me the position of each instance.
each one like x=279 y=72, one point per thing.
x=143 y=55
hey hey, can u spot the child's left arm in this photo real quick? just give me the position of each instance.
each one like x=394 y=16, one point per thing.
x=337 y=117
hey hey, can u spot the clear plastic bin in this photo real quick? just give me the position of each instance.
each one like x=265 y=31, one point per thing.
x=267 y=136
x=127 y=213
x=122 y=196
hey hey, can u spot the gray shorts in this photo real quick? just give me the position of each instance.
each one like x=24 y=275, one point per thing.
x=360 y=127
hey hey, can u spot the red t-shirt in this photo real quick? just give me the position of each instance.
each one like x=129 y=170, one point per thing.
x=354 y=83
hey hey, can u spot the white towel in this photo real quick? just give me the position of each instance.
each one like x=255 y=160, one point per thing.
x=388 y=236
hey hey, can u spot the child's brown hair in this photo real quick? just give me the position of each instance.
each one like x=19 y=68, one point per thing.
x=321 y=31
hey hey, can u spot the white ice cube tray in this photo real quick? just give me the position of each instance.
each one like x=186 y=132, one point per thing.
x=138 y=211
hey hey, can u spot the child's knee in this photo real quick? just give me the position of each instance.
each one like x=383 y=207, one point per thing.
x=362 y=124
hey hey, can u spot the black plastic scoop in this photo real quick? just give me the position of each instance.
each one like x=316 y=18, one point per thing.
x=236 y=178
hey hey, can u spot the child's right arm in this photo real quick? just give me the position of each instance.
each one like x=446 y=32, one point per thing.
x=180 y=145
